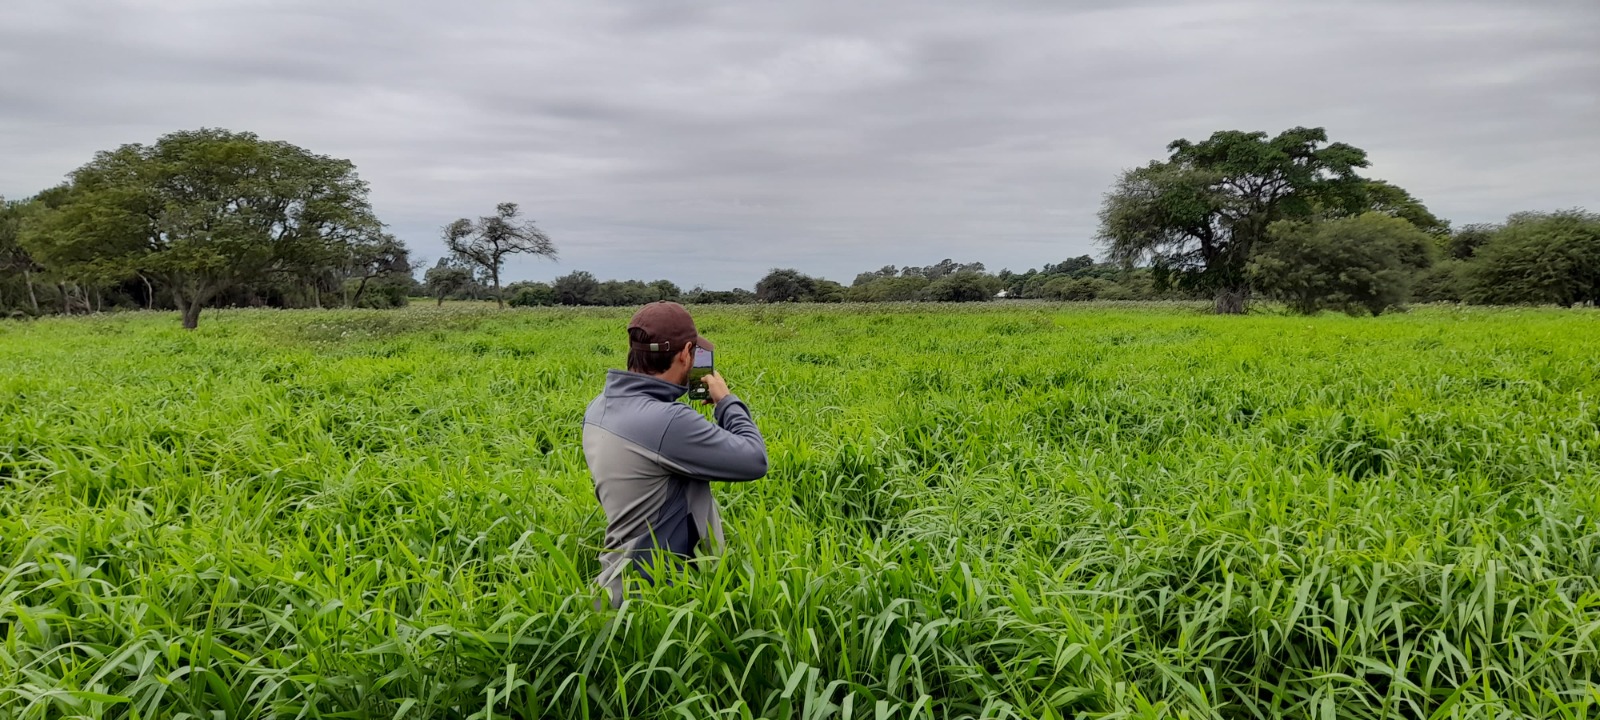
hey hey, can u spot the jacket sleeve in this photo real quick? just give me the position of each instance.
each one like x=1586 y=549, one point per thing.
x=729 y=450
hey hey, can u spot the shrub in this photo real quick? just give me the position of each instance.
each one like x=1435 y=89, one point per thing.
x=1539 y=258
x=1358 y=264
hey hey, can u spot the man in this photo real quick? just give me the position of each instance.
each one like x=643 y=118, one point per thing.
x=653 y=458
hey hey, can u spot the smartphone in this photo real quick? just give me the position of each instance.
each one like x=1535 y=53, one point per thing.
x=701 y=368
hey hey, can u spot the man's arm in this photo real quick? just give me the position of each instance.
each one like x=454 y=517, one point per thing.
x=730 y=450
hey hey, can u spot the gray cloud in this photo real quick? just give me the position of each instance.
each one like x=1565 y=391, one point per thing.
x=708 y=141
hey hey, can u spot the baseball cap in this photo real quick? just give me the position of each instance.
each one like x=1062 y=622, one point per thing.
x=666 y=327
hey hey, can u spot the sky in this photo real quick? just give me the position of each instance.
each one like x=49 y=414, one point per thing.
x=706 y=142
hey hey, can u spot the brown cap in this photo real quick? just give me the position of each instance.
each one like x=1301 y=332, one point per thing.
x=667 y=328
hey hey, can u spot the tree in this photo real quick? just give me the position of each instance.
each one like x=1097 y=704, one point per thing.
x=962 y=286
x=577 y=288
x=203 y=211
x=786 y=285
x=1540 y=258
x=377 y=256
x=1199 y=214
x=1364 y=263
x=664 y=290
x=446 y=279
x=488 y=241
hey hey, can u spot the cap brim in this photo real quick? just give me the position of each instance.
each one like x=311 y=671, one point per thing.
x=700 y=341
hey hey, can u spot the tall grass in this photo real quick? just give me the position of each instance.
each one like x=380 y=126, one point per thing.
x=1010 y=512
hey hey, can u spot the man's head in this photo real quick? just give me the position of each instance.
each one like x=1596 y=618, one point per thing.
x=661 y=342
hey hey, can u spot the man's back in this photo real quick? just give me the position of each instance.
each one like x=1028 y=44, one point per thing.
x=652 y=459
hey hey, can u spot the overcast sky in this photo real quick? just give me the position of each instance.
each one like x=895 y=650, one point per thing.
x=706 y=142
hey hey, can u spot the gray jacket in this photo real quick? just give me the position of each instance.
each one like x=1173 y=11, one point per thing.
x=652 y=459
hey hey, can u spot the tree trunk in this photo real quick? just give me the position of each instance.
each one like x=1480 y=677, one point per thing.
x=191 y=313
x=33 y=298
x=316 y=296
x=191 y=304
x=149 y=293
x=1232 y=301
x=66 y=301
x=441 y=300
x=360 y=288
x=498 y=301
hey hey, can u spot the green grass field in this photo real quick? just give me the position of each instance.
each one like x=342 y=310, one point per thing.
x=1008 y=511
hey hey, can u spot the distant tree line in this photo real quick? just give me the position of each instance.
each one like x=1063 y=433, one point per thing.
x=216 y=218
x=1360 y=264
x=1080 y=278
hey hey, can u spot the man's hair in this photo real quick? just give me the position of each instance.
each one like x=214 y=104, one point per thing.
x=644 y=361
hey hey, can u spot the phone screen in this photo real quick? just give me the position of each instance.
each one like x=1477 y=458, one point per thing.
x=701 y=368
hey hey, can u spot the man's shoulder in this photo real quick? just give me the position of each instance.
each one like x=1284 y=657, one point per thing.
x=641 y=420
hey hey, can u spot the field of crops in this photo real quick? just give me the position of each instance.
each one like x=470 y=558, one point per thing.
x=1009 y=511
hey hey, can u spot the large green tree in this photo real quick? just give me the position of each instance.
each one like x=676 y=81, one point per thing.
x=1539 y=258
x=1200 y=213
x=203 y=211
x=1355 y=264
x=486 y=242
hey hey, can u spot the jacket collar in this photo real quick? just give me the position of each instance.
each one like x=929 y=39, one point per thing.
x=621 y=383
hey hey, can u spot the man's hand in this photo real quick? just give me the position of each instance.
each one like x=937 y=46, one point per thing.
x=716 y=388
